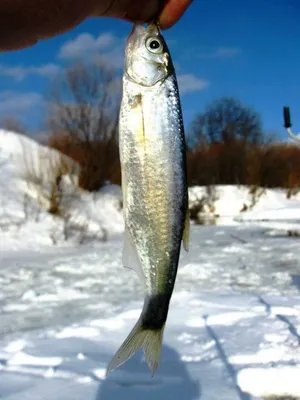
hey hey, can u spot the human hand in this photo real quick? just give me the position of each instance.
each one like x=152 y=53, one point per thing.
x=25 y=22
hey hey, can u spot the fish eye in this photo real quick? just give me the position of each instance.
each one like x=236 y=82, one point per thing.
x=154 y=45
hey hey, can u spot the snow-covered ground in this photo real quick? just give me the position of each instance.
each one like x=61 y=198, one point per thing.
x=66 y=304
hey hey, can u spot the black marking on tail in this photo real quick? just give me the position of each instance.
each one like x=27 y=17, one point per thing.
x=155 y=311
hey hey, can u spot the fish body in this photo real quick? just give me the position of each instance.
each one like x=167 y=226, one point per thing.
x=154 y=184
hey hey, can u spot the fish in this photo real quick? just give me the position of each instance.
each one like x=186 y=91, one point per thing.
x=154 y=185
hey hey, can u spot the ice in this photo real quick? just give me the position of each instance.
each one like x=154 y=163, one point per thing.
x=16 y=345
x=78 y=332
x=284 y=381
x=233 y=329
x=22 y=358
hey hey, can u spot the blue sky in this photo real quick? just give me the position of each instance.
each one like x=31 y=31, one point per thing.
x=249 y=49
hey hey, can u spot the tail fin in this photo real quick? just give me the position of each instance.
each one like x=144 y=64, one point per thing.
x=149 y=340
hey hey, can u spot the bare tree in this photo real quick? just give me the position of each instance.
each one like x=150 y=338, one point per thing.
x=224 y=134
x=83 y=119
x=226 y=120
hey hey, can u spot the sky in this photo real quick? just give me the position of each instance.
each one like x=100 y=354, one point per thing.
x=248 y=49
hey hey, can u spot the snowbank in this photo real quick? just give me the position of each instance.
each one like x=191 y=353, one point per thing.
x=243 y=204
x=28 y=176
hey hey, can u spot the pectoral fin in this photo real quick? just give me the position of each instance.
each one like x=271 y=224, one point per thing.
x=186 y=231
x=130 y=257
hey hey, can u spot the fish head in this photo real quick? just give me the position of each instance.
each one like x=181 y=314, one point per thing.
x=147 y=59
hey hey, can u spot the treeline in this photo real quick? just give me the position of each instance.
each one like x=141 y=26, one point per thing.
x=270 y=165
x=226 y=143
x=228 y=146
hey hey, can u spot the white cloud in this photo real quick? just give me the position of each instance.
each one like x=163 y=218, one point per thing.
x=221 y=52
x=48 y=70
x=19 y=72
x=106 y=48
x=114 y=58
x=190 y=83
x=12 y=103
x=84 y=44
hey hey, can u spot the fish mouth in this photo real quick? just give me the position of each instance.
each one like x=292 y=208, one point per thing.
x=151 y=27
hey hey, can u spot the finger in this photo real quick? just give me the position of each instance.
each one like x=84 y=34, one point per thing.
x=172 y=12
x=133 y=10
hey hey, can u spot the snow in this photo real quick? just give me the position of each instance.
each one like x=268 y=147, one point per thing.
x=24 y=201
x=260 y=203
x=284 y=381
x=198 y=359
x=66 y=305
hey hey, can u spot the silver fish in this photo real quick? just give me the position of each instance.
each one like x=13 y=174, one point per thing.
x=154 y=184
